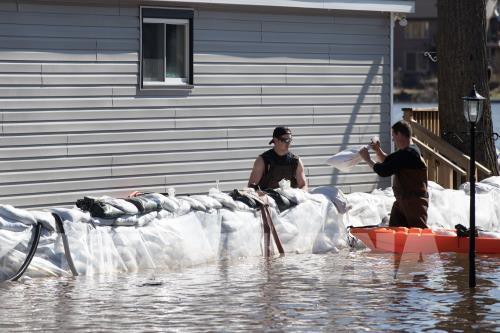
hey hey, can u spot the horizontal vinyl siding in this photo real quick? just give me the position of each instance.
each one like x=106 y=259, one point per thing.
x=74 y=123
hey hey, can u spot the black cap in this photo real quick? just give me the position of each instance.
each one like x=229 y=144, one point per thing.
x=279 y=131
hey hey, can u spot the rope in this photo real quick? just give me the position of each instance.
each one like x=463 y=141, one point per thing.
x=268 y=221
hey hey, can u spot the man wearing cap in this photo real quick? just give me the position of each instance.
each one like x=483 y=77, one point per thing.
x=278 y=163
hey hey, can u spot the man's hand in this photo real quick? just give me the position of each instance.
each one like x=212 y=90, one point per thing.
x=375 y=145
x=365 y=154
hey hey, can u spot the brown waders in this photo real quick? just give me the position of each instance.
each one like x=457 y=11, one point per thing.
x=410 y=212
x=412 y=199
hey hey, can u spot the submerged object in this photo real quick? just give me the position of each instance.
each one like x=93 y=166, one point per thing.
x=418 y=240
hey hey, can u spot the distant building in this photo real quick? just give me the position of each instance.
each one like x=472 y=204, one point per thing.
x=411 y=42
x=415 y=44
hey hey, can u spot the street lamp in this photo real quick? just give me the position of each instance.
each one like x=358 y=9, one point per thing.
x=473 y=110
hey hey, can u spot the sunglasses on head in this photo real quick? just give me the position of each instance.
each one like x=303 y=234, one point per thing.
x=285 y=140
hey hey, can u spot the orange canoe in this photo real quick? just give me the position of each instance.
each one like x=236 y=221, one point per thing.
x=417 y=240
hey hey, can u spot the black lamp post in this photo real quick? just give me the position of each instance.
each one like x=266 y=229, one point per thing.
x=473 y=110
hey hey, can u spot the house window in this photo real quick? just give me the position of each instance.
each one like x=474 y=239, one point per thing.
x=166 y=47
x=417 y=30
x=416 y=62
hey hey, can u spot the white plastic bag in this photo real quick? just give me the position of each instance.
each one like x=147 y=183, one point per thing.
x=346 y=159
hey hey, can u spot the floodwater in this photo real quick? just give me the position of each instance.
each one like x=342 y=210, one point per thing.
x=348 y=291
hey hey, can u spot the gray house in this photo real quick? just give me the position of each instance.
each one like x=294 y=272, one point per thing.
x=106 y=97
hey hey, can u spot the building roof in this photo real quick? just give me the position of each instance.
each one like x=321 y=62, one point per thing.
x=400 y=6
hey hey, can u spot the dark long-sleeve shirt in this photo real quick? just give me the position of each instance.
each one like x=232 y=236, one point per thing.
x=409 y=170
x=408 y=158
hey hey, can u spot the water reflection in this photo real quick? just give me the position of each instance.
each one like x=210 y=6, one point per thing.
x=351 y=291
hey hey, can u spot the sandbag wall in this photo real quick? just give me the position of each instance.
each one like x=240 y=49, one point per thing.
x=198 y=229
x=184 y=231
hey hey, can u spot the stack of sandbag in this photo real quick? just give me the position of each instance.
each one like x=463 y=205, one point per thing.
x=16 y=240
x=152 y=231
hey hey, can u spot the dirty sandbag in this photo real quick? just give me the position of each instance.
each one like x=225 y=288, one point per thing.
x=238 y=196
x=282 y=201
x=99 y=208
x=144 y=205
x=346 y=159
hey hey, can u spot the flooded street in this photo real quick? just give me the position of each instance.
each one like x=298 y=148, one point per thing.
x=348 y=291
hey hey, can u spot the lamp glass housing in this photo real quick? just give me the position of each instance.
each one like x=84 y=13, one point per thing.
x=473 y=106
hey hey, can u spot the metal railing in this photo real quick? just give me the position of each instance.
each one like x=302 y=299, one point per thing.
x=446 y=165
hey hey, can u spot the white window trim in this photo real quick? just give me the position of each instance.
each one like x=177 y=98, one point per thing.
x=165 y=21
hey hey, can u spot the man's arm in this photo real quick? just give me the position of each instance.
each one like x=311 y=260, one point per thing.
x=301 y=176
x=378 y=151
x=388 y=167
x=257 y=171
x=366 y=156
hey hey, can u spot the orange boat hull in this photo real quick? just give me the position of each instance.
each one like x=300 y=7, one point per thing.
x=417 y=240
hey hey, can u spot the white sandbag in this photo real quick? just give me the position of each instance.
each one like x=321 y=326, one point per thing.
x=92 y=249
x=193 y=203
x=335 y=195
x=447 y=208
x=121 y=204
x=480 y=187
x=184 y=207
x=308 y=222
x=243 y=207
x=46 y=219
x=10 y=239
x=163 y=201
x=188 y=242
x=164 y=214
x=132 y=249
x=367 y=209
x=146 y=218
x=102 y=222
x=295 y=195
x=493 y=182
x=385 y=200
x=103 y=253
x=434 y=186
x=11 y=225
x=223 y=198
x=40 y=267
x=241 y=234
x=125 y=220
x=207 y=201
x=16 y=214
x=72 y=214
x=489 y=234
x=346 y=159
x=211 y=223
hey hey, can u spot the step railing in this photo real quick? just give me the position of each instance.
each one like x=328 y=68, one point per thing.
x=446 y=165
x=427 y=117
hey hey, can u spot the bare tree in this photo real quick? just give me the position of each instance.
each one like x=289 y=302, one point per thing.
x=462 y=62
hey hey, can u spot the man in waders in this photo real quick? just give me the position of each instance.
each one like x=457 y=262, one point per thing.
x=278 y=163
x=410 y=177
